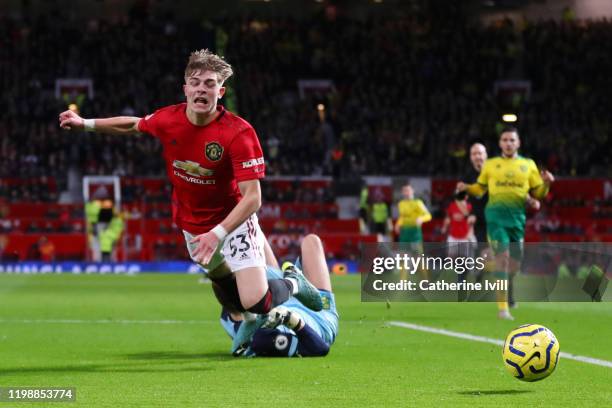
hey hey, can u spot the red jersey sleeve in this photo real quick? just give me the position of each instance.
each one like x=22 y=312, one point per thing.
x=247 y=156
x=150 y=124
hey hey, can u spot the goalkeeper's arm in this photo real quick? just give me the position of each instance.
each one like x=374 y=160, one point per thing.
x=266 y=343
x=310 y=343
x=118 y=125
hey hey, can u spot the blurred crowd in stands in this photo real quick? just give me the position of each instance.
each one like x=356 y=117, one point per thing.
x=409 y=93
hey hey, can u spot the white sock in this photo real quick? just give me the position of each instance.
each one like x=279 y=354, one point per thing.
x=294 y=284
x=249 y=317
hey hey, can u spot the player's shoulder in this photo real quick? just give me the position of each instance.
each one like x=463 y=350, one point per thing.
x=162 y=120
x=493 y=161
x=236 y=123
x=526 y=161
x=166 y=116
x=170 y=110
x=490 y=163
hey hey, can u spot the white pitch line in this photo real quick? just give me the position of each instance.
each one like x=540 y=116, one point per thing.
x=103 y=321
x=482 y=339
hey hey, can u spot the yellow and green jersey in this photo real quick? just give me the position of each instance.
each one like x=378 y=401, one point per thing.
x=508 y=181
x=409 y=211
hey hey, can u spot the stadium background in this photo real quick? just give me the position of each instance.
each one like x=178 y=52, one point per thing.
x=340 y=93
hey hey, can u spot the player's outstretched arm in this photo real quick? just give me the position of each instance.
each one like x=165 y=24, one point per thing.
x=118 y=125
x=310 y=343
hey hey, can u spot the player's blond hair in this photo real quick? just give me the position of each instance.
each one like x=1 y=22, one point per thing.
x=204 y=60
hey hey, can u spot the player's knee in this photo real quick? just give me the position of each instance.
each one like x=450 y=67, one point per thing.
x=312 y=241
x=263 y=306
x=226 y=292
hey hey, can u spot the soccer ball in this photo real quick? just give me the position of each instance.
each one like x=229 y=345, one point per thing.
x=531 y=352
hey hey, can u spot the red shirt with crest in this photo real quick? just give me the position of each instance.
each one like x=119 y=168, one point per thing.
x=459 y=227
x=205 y=163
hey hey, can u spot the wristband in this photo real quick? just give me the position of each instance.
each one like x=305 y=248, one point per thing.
x=219 y=231
x=89 y=125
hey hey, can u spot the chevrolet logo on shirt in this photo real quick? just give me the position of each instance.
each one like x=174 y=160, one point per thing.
x=192 y=168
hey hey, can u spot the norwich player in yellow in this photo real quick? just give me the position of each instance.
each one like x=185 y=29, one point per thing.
x=412 y=214
x=510 y=180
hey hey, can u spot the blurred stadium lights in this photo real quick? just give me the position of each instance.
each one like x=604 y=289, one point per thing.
x=509 y=118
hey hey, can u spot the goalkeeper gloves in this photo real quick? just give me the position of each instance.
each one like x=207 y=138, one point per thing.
x=280 y=315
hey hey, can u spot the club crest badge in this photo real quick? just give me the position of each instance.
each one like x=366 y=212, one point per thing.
x=213 y=151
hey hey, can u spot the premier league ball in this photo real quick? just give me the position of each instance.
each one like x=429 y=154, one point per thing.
x=531 y=352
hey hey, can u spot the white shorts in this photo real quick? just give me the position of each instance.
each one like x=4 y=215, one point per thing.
x=469 y=238
x=242 y=248
x=461 y=246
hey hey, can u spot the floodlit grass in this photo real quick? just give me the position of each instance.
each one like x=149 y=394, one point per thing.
x=155 y=340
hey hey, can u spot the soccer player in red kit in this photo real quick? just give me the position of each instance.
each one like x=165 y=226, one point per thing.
x=459 y=221
x=214 y=162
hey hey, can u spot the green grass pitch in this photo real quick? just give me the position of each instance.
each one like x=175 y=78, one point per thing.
x=104 y=336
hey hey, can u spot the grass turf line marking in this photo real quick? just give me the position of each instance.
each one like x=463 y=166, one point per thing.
x=482 y=339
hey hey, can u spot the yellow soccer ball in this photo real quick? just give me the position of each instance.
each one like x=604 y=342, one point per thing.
x=531 y=352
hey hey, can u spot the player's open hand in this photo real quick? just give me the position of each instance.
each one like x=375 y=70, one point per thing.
x=69 y=120
x=206 y=245
x=547 y=176
x=461 y=186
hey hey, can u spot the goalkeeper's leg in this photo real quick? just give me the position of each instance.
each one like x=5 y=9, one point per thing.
x=314 y=263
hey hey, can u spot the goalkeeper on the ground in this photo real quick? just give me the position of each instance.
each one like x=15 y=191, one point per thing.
x=290 y=329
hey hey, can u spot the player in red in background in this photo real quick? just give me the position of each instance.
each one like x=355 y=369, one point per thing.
x=214 y=162
x=459 y=221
